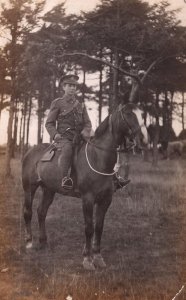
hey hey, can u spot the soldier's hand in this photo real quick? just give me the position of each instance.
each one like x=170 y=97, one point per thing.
x=57 y=137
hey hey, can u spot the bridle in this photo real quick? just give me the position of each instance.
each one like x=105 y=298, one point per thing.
x=132 y=133
x=117 y=150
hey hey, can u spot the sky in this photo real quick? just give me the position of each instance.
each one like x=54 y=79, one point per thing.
x=75 y=6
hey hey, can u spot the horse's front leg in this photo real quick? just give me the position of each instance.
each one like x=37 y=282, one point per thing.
x=88 y=204
x=101 y=209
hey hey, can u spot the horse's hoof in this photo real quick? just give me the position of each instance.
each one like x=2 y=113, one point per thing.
x=29 y=245
x=98 y=261
x=88 y=264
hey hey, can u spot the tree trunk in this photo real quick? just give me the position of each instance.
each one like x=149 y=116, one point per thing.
x=1 y=103
x=155 y=144
x=9 y=139
x=24 y=127
x=156 y=137
x=15 y=121
x=100 y=89
x=40 y=114
x=39 y=138
x=84 y=81
x=182 y=112
x=20 y=132
x=146 y=96
x=14 y=145
x=171 y=109
x=115 y=81
x=28 y=122
x=13 y=97
x=111 y=85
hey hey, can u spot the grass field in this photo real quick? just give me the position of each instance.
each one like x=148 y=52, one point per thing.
x=144 y=241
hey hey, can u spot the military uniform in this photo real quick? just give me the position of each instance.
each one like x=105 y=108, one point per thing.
x=71 y=117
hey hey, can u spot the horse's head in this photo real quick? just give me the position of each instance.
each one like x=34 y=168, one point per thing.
x=131 y=124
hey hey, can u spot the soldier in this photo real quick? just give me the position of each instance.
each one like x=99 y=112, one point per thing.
x=72 y=119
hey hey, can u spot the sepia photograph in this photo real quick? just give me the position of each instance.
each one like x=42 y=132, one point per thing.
x=92 y=149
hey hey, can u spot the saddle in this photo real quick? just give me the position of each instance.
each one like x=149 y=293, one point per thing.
x=51 y=150
x=49 y=154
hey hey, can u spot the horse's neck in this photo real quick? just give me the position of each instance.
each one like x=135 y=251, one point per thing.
x=106 y=149
x=107 y=141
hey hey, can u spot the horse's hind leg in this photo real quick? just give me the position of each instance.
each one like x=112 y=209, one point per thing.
x=27 y=211
x=101 y=209
x=42 y=210
x=88 y=203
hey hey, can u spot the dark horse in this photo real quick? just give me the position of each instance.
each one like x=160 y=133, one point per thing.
x=94 y=165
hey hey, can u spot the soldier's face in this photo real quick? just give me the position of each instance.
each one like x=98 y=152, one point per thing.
x=69 y=89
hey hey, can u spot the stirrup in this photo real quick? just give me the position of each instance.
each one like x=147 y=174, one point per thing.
x=121 y=182
x=67 y=183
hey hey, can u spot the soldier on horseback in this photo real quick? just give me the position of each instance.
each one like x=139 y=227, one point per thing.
x=72 y=122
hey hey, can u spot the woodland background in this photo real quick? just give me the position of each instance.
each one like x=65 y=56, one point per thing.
x=137 y=50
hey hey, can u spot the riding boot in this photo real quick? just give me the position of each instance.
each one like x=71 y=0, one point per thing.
x=65 y=164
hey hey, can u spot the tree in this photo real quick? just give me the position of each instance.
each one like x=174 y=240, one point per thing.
x=139 y=37
x=19 y=17
x=4 y=83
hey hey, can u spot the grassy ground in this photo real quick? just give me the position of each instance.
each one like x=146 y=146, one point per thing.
x=144 y=241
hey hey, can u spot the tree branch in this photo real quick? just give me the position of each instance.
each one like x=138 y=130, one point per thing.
x=103 y=61
x=150 y=68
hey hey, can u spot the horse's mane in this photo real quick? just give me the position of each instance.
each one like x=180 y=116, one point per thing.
x=130 y=106
x=102 y=127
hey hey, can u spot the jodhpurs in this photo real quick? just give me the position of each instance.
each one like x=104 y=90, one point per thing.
x=65 y=147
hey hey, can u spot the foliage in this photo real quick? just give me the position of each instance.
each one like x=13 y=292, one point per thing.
x=122 y=37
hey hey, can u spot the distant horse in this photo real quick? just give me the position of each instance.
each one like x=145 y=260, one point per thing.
x=94 y=165
x=176 y=147
x=165 y=134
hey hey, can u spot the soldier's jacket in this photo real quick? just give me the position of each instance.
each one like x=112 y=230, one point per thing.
x=68 y=116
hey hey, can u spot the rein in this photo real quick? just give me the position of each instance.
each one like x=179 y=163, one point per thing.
x=90 y=166
x=114 y=149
